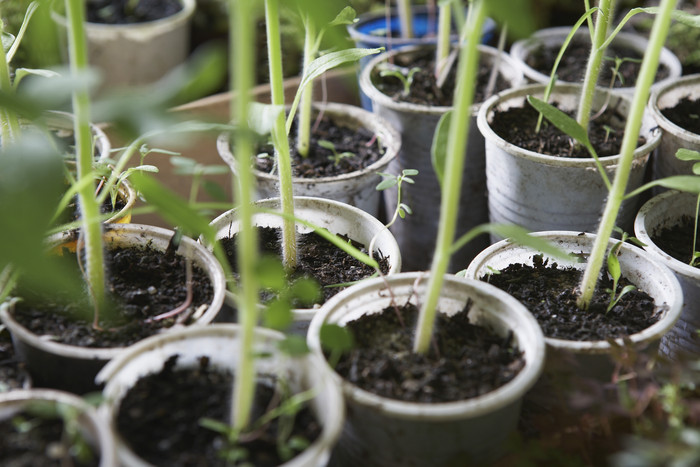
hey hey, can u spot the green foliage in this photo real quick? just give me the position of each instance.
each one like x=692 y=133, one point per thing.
x=336 y=157
x=335 y=340
x=390 y=181
x=615 y=272
x=404 y=75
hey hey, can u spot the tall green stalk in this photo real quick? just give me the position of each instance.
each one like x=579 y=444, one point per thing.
x=91 y=224
x=442 y=49
x=604 y=15
x=281 y=142
x=452 y=179
x=405 y=17
x=304 y=122
x=629 y=144
x=241 y=40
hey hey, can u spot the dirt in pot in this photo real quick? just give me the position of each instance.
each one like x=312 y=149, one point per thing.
x=32 y=439
x=571 y=68
x=549 y=292
x=677 y=240
x=517 y=126
x=464 y=361
x=160 y=418
x=318 y=259
x=130 y=11
x=144 y=283
x=685 y=114
x=12 y=372
x=424 y=90
x=353 y=149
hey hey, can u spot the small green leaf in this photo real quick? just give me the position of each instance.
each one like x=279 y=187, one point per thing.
x=214 y=190
x=306 y=290
x=336 y=338
x=687 y=155
x=270 y=273
x=294 y=346
x=560 y=120
x=386 y=184
x=409 y=172
x=614 y=265
x=346 y=16
x=438 y=150
x=277 y=315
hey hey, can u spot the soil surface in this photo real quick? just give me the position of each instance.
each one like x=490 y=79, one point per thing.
x=517 y=126
x=685 y=114
x=122 y=11
x=549 y=293
x=465 y=360
x=320 y=162
x=160 y=418
x=12 y=372
x=317 y=258
x=42 y=445
x=572 y=66
x=677 y=240
x=144 y=283
x=424 y=89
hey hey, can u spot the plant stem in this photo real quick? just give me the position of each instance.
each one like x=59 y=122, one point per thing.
x=284 y=161
x=442 y=49
x=405 y=18
x=9 y=124
x=304 y=122
x=606 y=9
x=90 y=214
x=629 y=144
x=451 y=185
x=242 y=81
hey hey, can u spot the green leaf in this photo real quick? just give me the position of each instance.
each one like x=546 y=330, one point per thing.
x=386 y=184
x=262 y=117
x=346 y=16
x=306 y=290
x=270 y=273
x=614 y=265
x=520 y=16
x=687 y=183
x=277 y=315
x=336 y=338
x=560 y=120
x=214 y=190
x=438 y=150
x=22 y=73
x=294 y=346
x=687 y=155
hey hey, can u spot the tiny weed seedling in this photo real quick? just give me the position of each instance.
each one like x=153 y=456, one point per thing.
x=616 y=273
x=390 y=181
x=405 y=75
x=336 y=157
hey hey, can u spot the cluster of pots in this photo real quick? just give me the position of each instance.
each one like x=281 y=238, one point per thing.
x=557 y=198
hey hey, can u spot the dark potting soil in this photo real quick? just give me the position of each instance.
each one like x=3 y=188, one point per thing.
x=677 y=240
x=143 y=282
x=124 y=12
x=45 y=444
x=549 y=293
x=572 y=66
x=12 y=372
x=424 y=89
x=159 y=418
x=317 y=258
x=517 y=126
x=320 y=162
x=465 y=360
x=685 y=114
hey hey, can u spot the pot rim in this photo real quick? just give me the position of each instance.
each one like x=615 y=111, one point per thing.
x=685 y=82
x=169 y=22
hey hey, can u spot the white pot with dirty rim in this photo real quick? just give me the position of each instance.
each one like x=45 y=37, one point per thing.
x=73 y=368
x=416 y=233
x=541 y=192
x=92 y=428
x=663 y=211
x=356 y=188
x=339 y=218
x=674 y=137
x=138 y=53
x=386 y=432
x=593 y=358
x=555 y=36
x=220 y=343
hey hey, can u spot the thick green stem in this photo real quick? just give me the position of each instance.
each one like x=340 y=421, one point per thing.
x=454 y=165
x=443 y=39
x=89 y=209
x=629 y=144
x=240 y=23
x=405 y=17
x=284 y=160
x=304 y=122
x=606 y=9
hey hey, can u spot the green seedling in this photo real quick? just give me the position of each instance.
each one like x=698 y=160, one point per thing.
x=402 y=74
x=336 y=157
x=616 y=273
x=693 y=156
x=390 y=181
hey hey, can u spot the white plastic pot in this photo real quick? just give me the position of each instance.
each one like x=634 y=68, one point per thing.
x=339 y=218
x=674 y=137
x=138 y=53
x=660 y=212
x=356 y=188
x=220 y=343
x=73 y=368
x=555 y=36
x=593 y=358
x=385 y=432
x=93 y=429
x=416 y=233
x=542 y=192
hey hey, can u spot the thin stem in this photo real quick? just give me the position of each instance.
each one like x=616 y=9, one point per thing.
x=442 y=49
x=405 y=17
x=451 y=186
x=304 y=119
x=90 y=213
x=242 y=81
x=606 y=9
x=629 y=144
x=9 y=124
x=695 y=232
x=284 y=160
